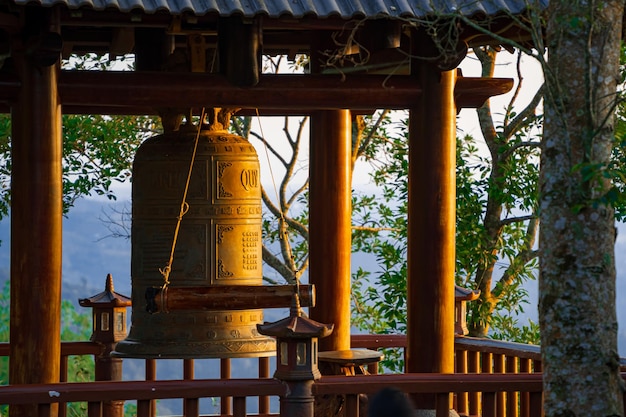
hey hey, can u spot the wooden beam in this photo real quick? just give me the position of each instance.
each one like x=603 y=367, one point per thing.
x=85 y=92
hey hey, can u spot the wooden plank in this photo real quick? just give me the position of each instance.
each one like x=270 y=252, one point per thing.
x=489 y=404
x=525 y=368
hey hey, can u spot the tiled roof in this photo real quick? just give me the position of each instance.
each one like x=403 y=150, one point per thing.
x=300 y=8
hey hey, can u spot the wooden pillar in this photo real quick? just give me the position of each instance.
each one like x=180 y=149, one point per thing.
x=431 y=251
x=330 y=223
x=36 y=215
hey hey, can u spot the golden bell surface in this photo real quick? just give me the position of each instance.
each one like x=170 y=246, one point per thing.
x=218 y=243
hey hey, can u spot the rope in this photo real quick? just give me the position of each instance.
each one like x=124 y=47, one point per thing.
x=184 y=207
x=282 y=234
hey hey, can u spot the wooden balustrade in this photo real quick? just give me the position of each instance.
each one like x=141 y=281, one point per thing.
x=96 y=393
x=492 y=379
x=489 y=385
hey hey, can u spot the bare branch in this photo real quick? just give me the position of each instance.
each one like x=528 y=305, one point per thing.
x=522 y=258
x=487 y=58
x=518 y=87
x=299 y=227
x=290 y=167
x=512 y=272
x=360 y=144
x=276 y=264
x=269 y=203
x=517 y=146
x=117 y=221
x=299 y=191
x=294 y=224
x=523 y=118
x=269 y=147
x=511 y=220
x=375 y=229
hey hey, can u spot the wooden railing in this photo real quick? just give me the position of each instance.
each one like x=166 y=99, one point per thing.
x=486 y=358
x=493 y=379
x=98 y=394
x=147 y=408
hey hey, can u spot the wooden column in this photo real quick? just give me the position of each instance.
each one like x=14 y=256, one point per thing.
x=330 y=223
x=431 y=252
x=36 y=217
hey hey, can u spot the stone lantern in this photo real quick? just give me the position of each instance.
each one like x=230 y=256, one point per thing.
x=109 y=327
x=461 y=297
x=109 y=314
x=296 y=357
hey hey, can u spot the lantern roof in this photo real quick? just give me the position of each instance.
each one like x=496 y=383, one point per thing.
x=465 y=294
x=107 y=298
x=302 y=9
x=296 y=326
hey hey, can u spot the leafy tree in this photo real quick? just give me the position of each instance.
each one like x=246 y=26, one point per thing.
x=496 y=223
x=97 y=149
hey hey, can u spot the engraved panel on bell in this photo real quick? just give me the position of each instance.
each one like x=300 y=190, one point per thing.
x=237 y=179
x=169 y=178
x=238 y=251
x=190 y=258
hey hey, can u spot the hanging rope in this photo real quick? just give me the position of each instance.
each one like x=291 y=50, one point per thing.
x=282 y=234
x=184 y=207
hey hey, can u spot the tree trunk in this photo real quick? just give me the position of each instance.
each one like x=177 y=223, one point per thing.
x=577 y=267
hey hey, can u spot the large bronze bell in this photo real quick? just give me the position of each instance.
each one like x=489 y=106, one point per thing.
x=219 y=243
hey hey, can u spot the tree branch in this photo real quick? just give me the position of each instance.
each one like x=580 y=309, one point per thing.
x=506 y=154
x=269 y=147
x=274 y=262
x=523 y=118
x=519 y=261
x=375 y=229
x=511 y=220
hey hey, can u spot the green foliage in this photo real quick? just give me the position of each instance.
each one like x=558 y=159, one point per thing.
x=606 y=182
x=380 y=298
x=97 y=149
x=507 y=327
x=75 y=326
